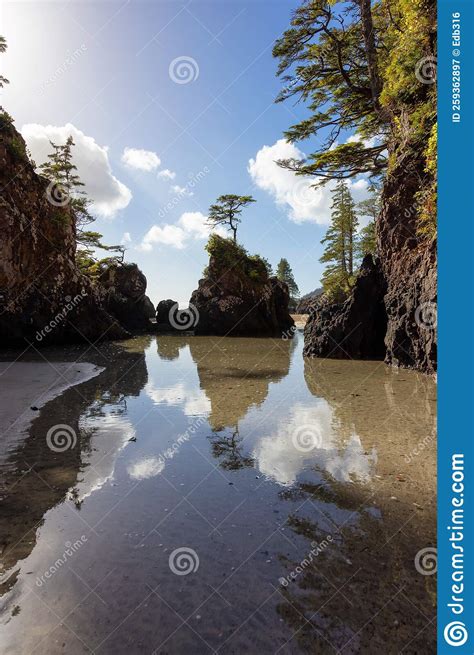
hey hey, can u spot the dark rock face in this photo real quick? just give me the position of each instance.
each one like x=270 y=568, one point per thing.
x=306 y=302
x=44 y=298
x=406 y=271
x=229 y=303
x=356 y=328
x=163 y=314
x=125 y=297
x=410 y=268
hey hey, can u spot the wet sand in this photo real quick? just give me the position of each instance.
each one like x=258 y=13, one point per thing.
x=27 y=385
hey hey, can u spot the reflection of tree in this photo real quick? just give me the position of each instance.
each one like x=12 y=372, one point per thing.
x=236 y=373
x=168 y=347
x=37 y=478
x=229 y=450
x=379 y=404
x=362 y=591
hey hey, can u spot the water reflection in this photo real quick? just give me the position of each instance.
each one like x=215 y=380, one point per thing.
x=195 y=442
x=236 y=373
x=36 y=478
x=311 y=437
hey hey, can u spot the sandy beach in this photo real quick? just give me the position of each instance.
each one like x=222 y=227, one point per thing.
x=25 y=387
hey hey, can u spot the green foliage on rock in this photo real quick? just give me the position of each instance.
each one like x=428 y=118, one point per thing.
x=229 y=256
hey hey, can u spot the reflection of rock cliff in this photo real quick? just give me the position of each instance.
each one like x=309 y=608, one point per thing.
x=236 y=373
x=370 y=531
x=370 y=400
x=36 y=478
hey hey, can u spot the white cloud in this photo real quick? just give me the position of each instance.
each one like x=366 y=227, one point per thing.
x=166 y=174
x=140 y=160
x=109 y=195
x=180 y=190
x=169 y=235
x=295 y=192
x=126 y=238
x=190 y=226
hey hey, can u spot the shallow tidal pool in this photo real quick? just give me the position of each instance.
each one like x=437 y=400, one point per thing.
x=223 y=495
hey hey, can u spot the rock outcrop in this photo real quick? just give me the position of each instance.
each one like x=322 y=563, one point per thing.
x=409 y=265
x=356 y=328
x=237 y=297
x=44 y=298
x=166 y=313
x=407 y=271
x=125 y=297
x=306 y=302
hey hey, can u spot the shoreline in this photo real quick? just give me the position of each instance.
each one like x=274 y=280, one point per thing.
x=26 y=385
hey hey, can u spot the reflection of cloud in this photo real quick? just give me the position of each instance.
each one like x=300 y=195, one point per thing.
x=146 y=468
x=194 y=401
x=278 y=458
x=111 y=433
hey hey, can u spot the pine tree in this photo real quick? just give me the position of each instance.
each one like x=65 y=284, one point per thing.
x=69 y=193
x=367 y=238
x=340 y=245
x=285 y=274
x=227 y=210
x=367 y=241
x=61 y=170
x=3 y=47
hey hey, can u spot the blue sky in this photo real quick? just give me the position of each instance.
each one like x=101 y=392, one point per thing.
x=104 y=71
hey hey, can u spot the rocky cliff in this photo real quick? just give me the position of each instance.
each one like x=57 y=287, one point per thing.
x=237 y=297
x=355 y=329
x=125 y=297
x=391 y=312
x=44 y=298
